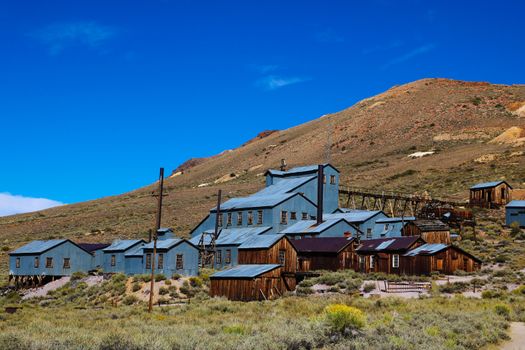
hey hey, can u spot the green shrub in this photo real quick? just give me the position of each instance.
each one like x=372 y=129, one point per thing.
x=520 y=290
x=119 y=277
x=196 y=282
x=117 y=342
x=306 y=283
x=145 y=277
x=163 y=290
x=159 y=277
x=304 y=290
x=136 y=287
x=341 y=317
x=491 y=294
x=502 y=310
x=235 y=329
x=130 y=300
x=330 y=278
x=167 y=282
x=75 y=276
x=176 y=276
x=368 y=287
x=5 y=248
x=501 y=258
x=515 y=228
x=451 y=288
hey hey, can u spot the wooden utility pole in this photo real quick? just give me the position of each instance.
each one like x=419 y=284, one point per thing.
x=157 y=227
x=216 y=231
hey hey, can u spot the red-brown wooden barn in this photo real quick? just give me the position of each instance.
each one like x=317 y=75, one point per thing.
x=327 y=253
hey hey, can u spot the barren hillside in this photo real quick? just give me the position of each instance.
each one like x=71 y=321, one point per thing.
x=455 y=124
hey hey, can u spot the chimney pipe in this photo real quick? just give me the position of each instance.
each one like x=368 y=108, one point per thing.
x=283 y=164
x=320 y=187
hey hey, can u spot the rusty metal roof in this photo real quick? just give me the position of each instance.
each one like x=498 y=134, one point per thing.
x=387 y=244
x=321 y=245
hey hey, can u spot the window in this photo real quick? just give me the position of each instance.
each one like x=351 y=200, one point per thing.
x=439 y=264
x=293 y=215
x=282 y=257
x=259 y=217
x=304 y=216
x=395 y=261
x=49 y=263
x=148 y=261
x=161 y=261
x=218 y=257
x=332 y=179
x=368 y=233
x=37 y=262
x=67 y=263
x=17 y=263
x=229 y=219
x=113 y=260
x=324 y=179
x=250 y=218
x=239 y=218
x=372 y=261
x=284 y=217
x=219 y=220
x=180 y=263
x=228 y=257
x=386 y=227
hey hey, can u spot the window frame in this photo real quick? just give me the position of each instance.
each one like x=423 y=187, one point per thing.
x=49 y=262
x=179 y=262
x=228 y=257
x=293 y=215
x=372 y=262
x=332 y=179
x=282 y=257
x=304 y=216
x=160 y=261
x=239 y=218
x=395 y=261
x=369 y=233
x=229 y=219
x=148 y=261
x=113 y=260
x=249 y=219
x=17 y=263
x=218 y=257
x=67 y=263
x=36 y=263
x=220 y=220
x=284 y=217
x=260 y=215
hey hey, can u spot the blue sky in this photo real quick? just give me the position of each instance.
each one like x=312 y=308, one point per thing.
x=96 y=95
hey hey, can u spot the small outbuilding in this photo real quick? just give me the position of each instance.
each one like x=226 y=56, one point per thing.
x=248 y=282
x=441 y=258
x=328 y=253
x=114 y=255
x=431 y=230
x=490 y=194
x=515 y=212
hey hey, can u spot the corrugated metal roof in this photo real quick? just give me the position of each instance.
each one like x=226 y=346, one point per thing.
x=137 y=251
x=164 y=244
x=261 y=241
x=321 y=245
x=91 y=247
x=516 y=204
x=283 y=186
x=426 y=249
x=396 y=219
x=37 y=247
x=299 y=170
x=255 y=201
x=197 y=238
x=310 y=226
x=387 y=244
x=245 y=271
x=431 y=225
x=239 y=235
x=357 y=216
x=122 y=244
x=486 y=185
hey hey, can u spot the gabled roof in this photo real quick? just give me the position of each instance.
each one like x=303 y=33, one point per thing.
x=322 y=244
x=258 y=201
x=426 y=225
x=284 y=186
x=137 y=251
x=239 y=235
x=261 y=241
x=394 y=220
x=245 y=271
x=91 y=247
x=354 y=216
x=387 y=244
x=311 y=227
x=299 y=170
x=489 y=185
x=121 y=245
x=516 y=204
x=434 y=248
x=39 y=247
x=167 y=244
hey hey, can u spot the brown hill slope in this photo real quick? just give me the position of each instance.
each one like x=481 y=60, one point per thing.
x=369 y=142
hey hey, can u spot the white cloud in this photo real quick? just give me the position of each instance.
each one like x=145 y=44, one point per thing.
x=272 y=82
x=411 y=54
x=13 y=204
x=59 y=36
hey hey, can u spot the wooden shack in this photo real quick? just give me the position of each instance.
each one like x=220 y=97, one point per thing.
x=384 y=255
x=248 y=282
x=442 y=258
x=327 y=253
x=490 y=194
x=432 y=231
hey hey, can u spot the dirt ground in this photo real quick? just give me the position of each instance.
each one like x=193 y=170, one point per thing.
x=517 y=335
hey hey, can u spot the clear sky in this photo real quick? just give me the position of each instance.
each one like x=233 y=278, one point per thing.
x=96 y=95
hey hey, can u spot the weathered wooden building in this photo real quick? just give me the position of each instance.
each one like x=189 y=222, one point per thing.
x=432 y=231
x=384 y=255
x=328 y=253
x=442 y=258
x=248 y=282
x=490 y=194
x=515 y=212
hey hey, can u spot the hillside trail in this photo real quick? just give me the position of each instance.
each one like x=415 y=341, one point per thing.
x=517 y=337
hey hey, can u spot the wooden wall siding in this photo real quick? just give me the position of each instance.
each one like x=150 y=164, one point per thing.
x=271 y=255
x=328 y=261
x=436 y=237
x=491 y=197
x=270 y=283
x=447 y=262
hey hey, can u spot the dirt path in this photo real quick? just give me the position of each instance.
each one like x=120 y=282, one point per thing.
x=517 y=337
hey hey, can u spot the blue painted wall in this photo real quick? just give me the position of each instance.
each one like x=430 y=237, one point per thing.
x=515 y=214
x=80 y=260
x=190 y=258
x=134 y=265
x=295 y=204
x=120 y=259
x=393 y=230
x=234 y=256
